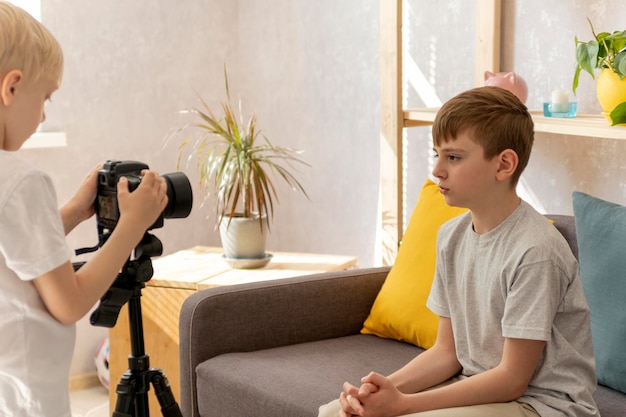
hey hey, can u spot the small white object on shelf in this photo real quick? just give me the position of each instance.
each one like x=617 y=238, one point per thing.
x=559 y=102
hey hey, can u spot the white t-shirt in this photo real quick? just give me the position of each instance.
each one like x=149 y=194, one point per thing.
x=520 y=280
x=35 y=349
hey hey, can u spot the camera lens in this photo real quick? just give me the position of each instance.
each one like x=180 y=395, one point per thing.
x=179 y=195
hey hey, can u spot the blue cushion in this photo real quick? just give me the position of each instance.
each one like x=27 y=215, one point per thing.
x=601 y=234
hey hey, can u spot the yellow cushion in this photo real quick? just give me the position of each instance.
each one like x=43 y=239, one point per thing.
x=399 y=311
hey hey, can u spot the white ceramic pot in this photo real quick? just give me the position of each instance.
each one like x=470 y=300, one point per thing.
x=243 y=238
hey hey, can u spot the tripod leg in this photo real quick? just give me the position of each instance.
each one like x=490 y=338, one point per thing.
x=125 y=405
x=132 y=395
x=163 y=391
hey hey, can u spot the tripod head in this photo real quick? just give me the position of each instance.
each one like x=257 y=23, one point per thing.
x=129 y=282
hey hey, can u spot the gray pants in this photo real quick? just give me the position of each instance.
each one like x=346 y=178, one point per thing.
x=512 y=409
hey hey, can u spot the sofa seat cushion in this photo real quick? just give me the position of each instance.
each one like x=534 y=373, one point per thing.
x=274 y=380
x=293 y=380
x=611 y=403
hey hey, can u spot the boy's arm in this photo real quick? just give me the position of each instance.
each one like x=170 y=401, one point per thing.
x=506 y=382
x=404 y=391
x=433 y=366
x=81 y=206
x=430 y=368
x=69 y=295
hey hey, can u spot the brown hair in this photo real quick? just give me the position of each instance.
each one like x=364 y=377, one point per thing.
x=494 y=118
x=27 y=45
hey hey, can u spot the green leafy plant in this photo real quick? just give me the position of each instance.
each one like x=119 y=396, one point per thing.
x=605 y=50
x=236 y=162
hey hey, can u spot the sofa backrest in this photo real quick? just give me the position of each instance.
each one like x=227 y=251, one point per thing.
x=567 y=226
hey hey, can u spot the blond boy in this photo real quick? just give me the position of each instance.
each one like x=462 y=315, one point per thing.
x=41 y=297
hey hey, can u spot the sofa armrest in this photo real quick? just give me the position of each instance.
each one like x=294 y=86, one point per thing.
x=263 y=315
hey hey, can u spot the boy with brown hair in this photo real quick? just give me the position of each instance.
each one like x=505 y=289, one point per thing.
x=41 y=297
x=514 y=337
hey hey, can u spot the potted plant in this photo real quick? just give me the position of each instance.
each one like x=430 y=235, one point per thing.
x=607 y=52
x=237 y=165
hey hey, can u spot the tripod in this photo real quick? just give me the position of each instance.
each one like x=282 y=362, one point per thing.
x=132 y=390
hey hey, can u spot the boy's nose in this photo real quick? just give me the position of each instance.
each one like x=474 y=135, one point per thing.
x=43 y=116
x=437 y=171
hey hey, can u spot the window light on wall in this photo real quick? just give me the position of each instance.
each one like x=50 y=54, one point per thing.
x=31 y=6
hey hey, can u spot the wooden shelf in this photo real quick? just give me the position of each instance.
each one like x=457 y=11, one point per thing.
x=588 y=125
x=420 y=117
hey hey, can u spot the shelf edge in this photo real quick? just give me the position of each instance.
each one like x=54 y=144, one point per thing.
x=583 y=125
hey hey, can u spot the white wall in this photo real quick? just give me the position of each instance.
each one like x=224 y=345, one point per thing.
x=131 y=66
x=310 y=69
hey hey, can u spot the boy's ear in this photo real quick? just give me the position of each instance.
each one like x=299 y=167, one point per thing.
x=507 y=164
x=10 y=82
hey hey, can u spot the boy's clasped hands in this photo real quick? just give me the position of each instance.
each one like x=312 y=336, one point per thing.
x=376 y=397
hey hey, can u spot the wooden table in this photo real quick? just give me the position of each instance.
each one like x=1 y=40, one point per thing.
x=179 y=275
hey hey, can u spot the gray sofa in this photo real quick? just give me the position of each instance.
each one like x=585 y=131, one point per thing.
x=285 y=347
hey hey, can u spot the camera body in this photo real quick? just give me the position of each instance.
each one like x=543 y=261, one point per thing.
x=179 y=193
x=107 y=209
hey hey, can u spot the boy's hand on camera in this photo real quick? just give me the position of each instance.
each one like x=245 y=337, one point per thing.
x=144 y=205
x=81 y=206
x=86 y=194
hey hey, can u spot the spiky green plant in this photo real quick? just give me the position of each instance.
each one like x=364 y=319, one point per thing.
x=236 y=162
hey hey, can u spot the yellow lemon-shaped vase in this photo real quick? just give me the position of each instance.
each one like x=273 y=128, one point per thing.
x=611 y=91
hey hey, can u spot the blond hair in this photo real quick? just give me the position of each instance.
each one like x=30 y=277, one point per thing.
x=26 y=45
x=494 y=118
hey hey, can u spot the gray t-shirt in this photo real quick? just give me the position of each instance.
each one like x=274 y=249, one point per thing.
x=520 y=280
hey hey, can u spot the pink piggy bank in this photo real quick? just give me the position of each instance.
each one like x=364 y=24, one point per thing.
x=509 y=81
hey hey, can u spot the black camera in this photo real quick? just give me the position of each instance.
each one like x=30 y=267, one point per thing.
x=138 y=268
x=179 y=193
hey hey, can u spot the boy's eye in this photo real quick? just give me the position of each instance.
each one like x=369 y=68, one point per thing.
x=447 y=156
